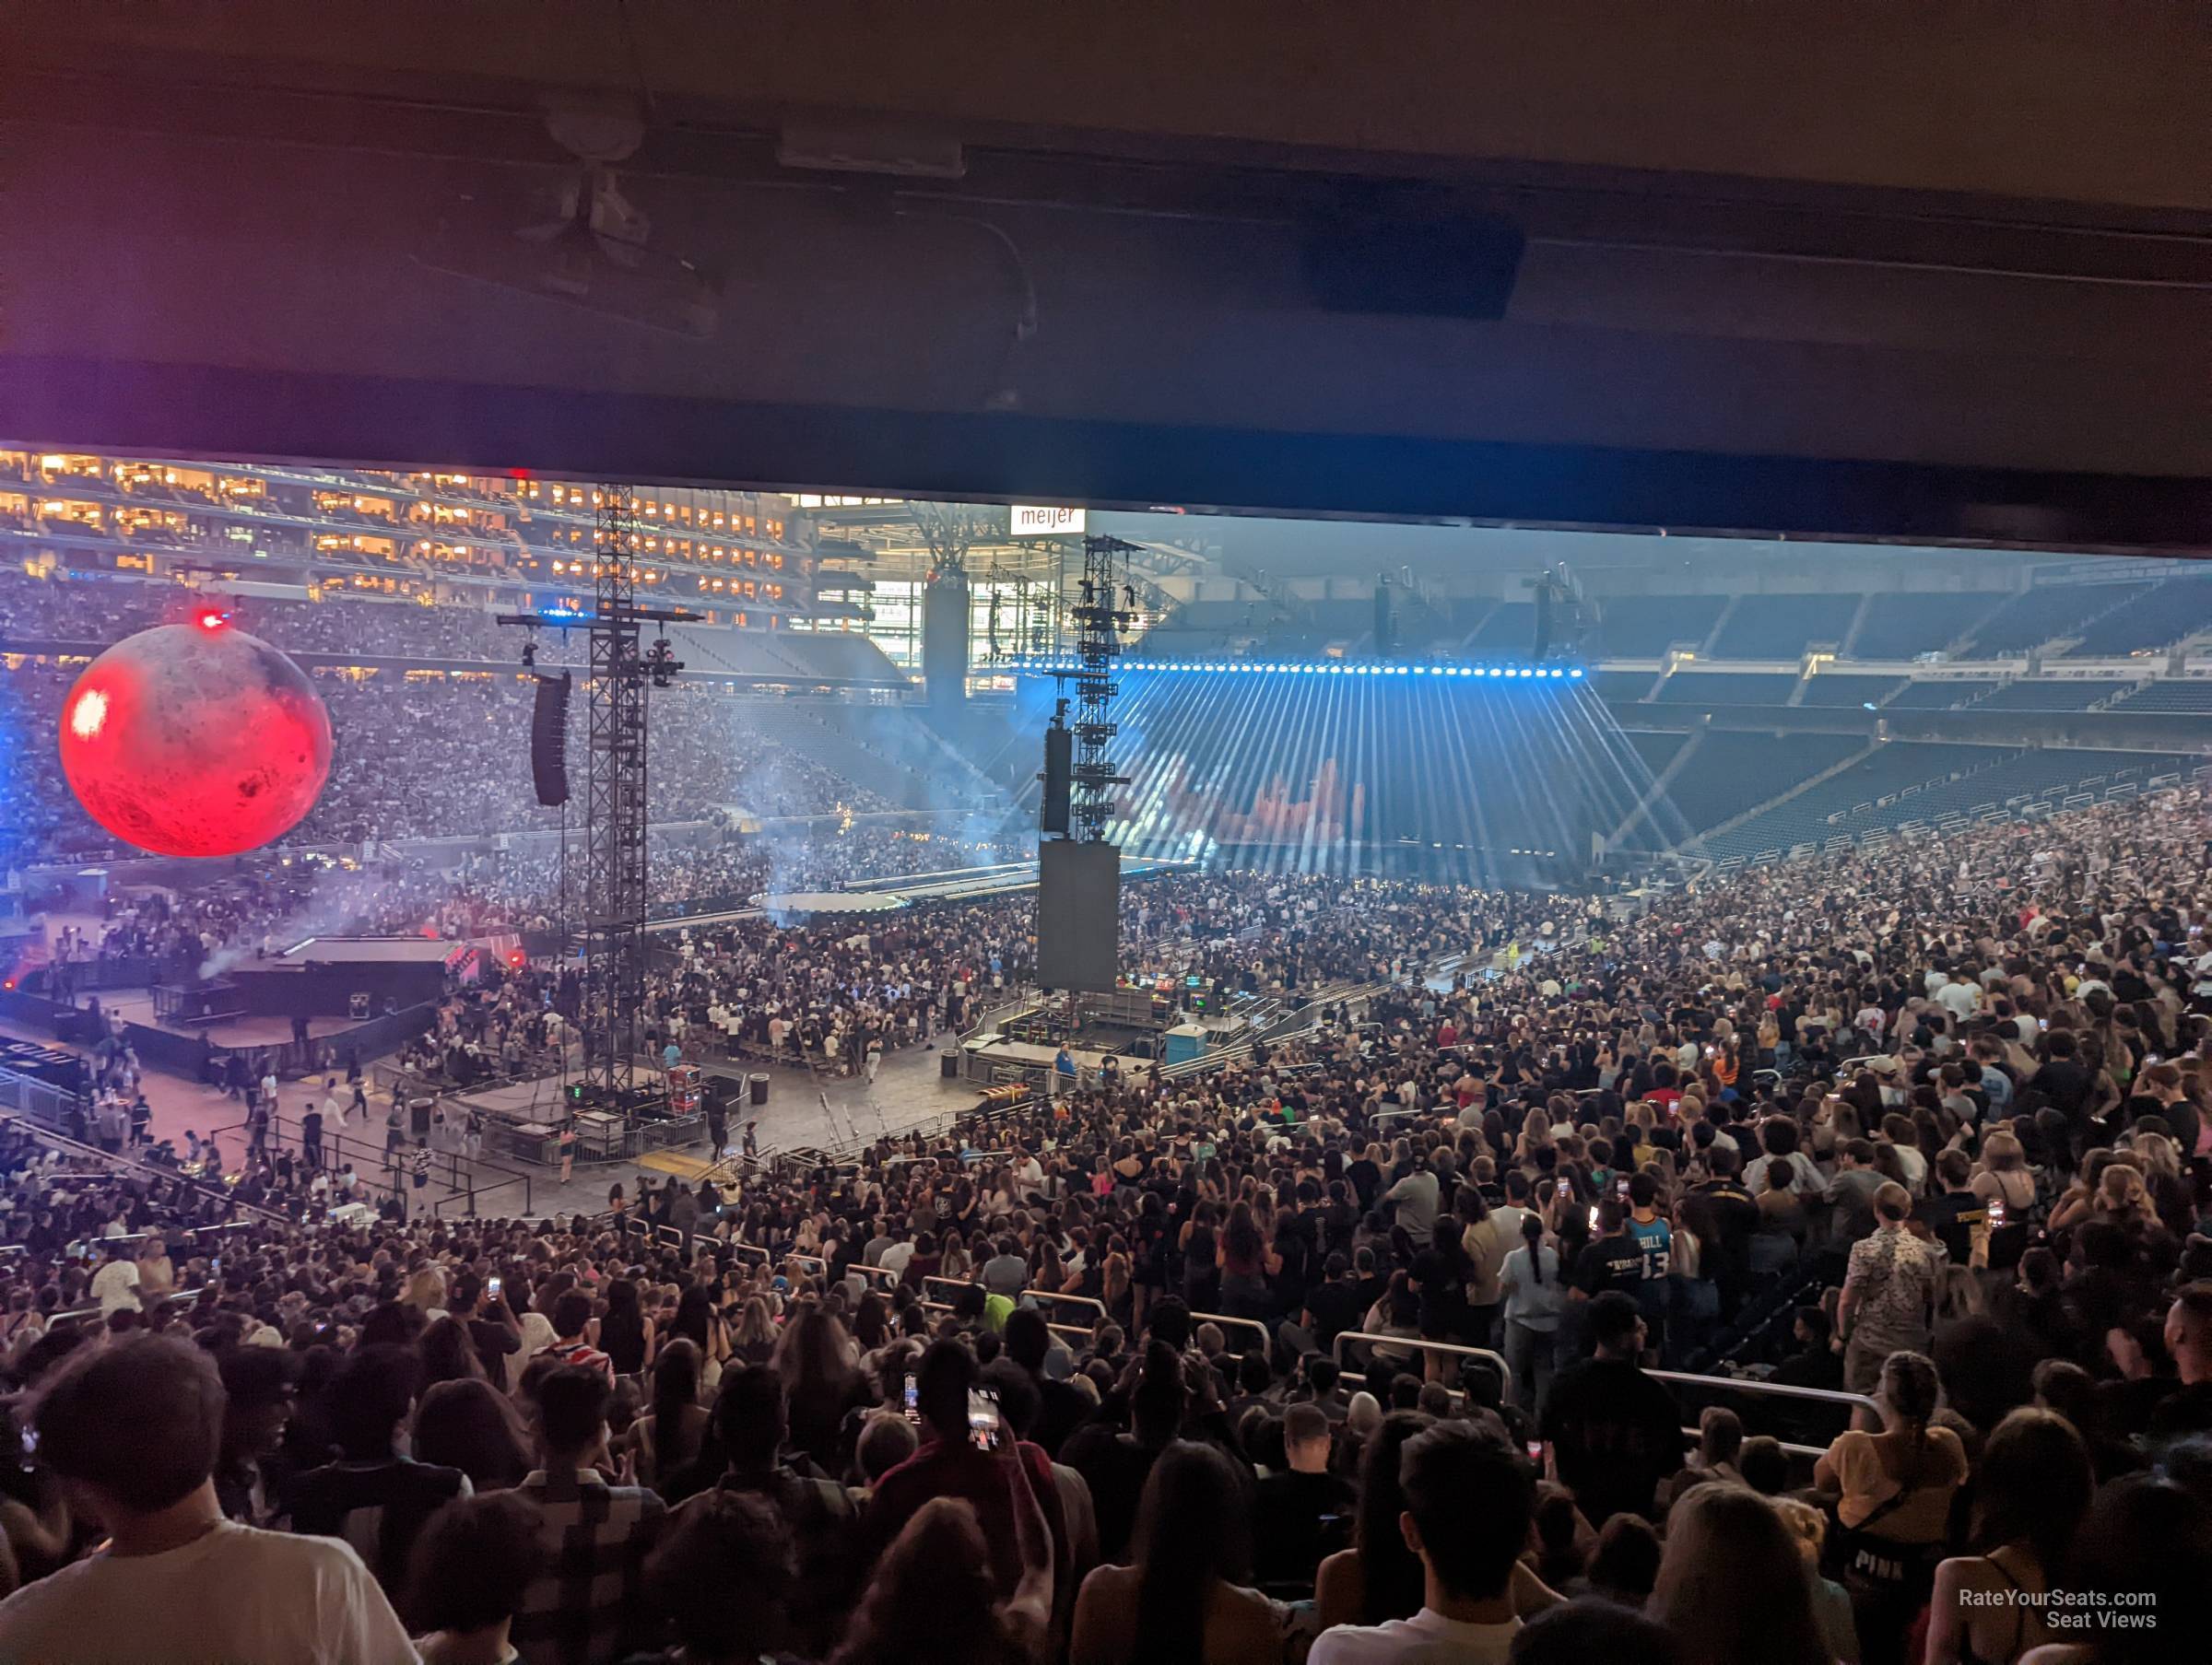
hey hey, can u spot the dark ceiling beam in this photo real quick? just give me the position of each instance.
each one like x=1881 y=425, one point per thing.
x=1600 y=207
x=182 y=410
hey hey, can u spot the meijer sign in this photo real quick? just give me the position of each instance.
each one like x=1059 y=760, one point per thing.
x=1033 y=521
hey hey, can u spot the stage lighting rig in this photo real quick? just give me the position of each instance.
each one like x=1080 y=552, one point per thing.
x=1098 y=625
x=615 y=877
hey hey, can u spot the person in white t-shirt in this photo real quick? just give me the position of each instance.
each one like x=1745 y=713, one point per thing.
x=115 y=1285
x=132 y=1432
x=1467 y=1555
x=1962 y=997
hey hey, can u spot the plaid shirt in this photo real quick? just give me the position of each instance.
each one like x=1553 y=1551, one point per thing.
x=588 y=1607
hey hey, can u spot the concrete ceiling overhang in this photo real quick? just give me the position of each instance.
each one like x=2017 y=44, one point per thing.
x=1783 y=271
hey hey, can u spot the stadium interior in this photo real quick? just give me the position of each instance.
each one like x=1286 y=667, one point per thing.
x=1203 y=833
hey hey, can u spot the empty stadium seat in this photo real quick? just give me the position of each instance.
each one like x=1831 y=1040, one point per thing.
x=1780 y=627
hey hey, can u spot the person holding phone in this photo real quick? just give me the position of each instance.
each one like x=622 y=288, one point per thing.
x=933 y=1599
x=952 y=1464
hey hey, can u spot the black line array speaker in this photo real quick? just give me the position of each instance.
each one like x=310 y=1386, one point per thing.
x=550 y=740
x=1059 y=779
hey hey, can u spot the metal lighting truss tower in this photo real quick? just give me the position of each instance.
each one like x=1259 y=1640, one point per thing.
x=1098 y=623
x=615 y=888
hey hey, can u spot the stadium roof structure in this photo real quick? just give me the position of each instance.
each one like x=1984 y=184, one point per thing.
x=1694 y=267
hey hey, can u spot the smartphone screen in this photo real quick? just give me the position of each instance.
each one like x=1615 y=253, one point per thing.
x=1536 y=1452
x=1593 y=1217
x=983 y=1425
x=913 y=1401
x=492 y=1288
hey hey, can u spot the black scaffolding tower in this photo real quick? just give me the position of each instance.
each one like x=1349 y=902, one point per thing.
x=1099 y=621
x=615 y=887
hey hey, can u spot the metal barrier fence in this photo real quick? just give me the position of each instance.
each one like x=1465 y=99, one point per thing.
x=1417 y=1345
x=39 y=1101
x=468 y=1180
x=118 y=1164
x=673 y=1237
x=1089 y=1303
x=1753 y=1385
x=1075 y=1329
x=1266 y=1334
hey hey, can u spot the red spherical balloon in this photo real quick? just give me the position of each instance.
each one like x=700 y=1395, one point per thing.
x=195 y=740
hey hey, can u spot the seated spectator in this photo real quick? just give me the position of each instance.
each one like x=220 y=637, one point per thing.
x=887 y=1440
x=1303 y=1513
x=668 y=1436
x=1378 y=1578
x=1733 y=1585
x=816 y=1517
x=1831 y=1601
x=471 y=1565
x=471 y=1426
x=1467 y=1555
x=132 y=1432
x=950 y=1464
x=2031 y=1491
x=934 y=1597
x=587 y=1604
x=1577 y=1632
x=722 y=1574
x=373 y=1497
x=1764 y=1465
x=1185 y=1598
x=2145 y=1547
x=1624 y=1564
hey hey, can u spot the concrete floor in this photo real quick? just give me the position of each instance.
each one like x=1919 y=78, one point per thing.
x=908 y=1092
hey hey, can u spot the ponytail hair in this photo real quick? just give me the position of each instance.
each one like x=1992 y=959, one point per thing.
x=1911 y=1391
x=1532 y=1233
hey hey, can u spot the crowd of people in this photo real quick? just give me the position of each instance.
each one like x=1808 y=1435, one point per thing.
x=408 y=745
x=1346 y=1351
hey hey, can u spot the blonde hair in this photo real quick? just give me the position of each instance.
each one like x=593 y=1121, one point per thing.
x=1807 y=1523
x=2121 y=1187
x=2158 y=1155
x=2002 y=1154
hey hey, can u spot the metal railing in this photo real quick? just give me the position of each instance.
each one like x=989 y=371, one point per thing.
x=39 y=1101
x=464 y=1177
x=117 y=1164
x=1266 y=1334
x=1075 y=1329
x=1752 y=1385
x=1089 y=1302
x=1418 y=1344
